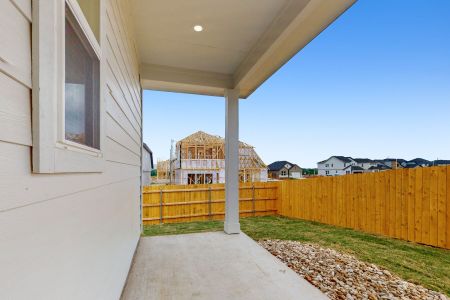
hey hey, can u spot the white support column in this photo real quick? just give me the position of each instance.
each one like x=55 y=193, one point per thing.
x=232 y=162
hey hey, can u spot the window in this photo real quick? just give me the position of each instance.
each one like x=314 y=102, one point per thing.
x=191 y=179
x=200 y=179
x=208 y=178
x=327 y=172
x=332 y=165
x=327 y=165
x=67 y=111
x=283 y=173
x=82 y=87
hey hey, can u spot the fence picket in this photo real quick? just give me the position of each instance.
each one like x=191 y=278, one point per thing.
x=411 y=204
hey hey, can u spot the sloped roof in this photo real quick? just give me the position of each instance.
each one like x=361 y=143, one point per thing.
x=248 y=158
x=399 y=160
x=441 y=162
x=346 y=159
x=146 y=147
x=354 y=168
x=380 y=167
x=278 y=165
x=420 y=161
x=362 y=160
x=201 y=138
x=410 y=165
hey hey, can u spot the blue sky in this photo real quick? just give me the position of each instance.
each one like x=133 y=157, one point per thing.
x=376 y=84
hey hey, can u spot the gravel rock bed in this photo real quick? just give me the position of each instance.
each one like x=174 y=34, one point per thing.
x=342 y=276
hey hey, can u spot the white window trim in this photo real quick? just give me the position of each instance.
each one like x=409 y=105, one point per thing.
x=52 y=153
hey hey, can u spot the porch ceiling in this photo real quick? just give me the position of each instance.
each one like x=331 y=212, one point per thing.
x=242 y=44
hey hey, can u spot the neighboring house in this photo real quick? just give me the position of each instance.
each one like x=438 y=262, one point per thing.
x=72 y=74
x=147 y=165
x=378 y=168
x=335 y=166
x=365 y=163
x=393 y=163
x=343 y=165
x=441 y=162
x=353 y=169
x=200 y=159
x=410 y=165
x=417 y=162
x=284 y=170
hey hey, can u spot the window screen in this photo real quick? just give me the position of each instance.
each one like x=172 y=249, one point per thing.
x=82 y=86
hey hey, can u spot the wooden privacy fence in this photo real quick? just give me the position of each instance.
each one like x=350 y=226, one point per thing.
x=185 y=203
x=409 y=204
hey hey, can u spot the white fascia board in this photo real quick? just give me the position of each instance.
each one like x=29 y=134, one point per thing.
x=312 y=19
x=172 y=79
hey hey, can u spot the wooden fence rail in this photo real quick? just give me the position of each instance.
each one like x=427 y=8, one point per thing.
x=184 y=203
x=408 y=204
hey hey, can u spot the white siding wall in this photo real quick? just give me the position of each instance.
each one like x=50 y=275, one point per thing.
x=264 y=175
x=367 y=165
x=67 y=236
x=334 y=166
x=146 y=167
x=283 y=170
x=181 y=176
x=199 y=164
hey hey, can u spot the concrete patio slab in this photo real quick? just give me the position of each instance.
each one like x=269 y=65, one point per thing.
x=211 y=265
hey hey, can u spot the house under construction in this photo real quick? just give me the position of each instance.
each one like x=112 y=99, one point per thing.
x=200 y=159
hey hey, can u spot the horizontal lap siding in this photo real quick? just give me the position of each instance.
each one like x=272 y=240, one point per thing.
x=15 y=74
x=122 y=126
x=15 y=43
x=82 y=221
x=15 y=112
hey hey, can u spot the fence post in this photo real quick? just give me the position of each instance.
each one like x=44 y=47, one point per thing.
x=209 y=204
x=253 y=199
x=161 y=206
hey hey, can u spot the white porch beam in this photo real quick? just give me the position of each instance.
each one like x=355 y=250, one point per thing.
x=232 y=161
x=171 y=79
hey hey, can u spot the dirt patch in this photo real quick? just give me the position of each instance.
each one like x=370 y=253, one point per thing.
x=342 y=276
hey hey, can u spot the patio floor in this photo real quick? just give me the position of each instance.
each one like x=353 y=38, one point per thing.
x=211 y=265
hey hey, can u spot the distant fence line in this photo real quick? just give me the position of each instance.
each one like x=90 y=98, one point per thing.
x=184 y=203
x=408 y=204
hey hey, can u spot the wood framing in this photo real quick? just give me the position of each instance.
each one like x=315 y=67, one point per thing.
x=200 y=158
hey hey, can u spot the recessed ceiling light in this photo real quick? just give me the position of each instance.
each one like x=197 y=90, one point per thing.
x=198 y=28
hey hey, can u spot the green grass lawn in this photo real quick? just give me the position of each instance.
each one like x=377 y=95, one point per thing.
x=420 y=264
